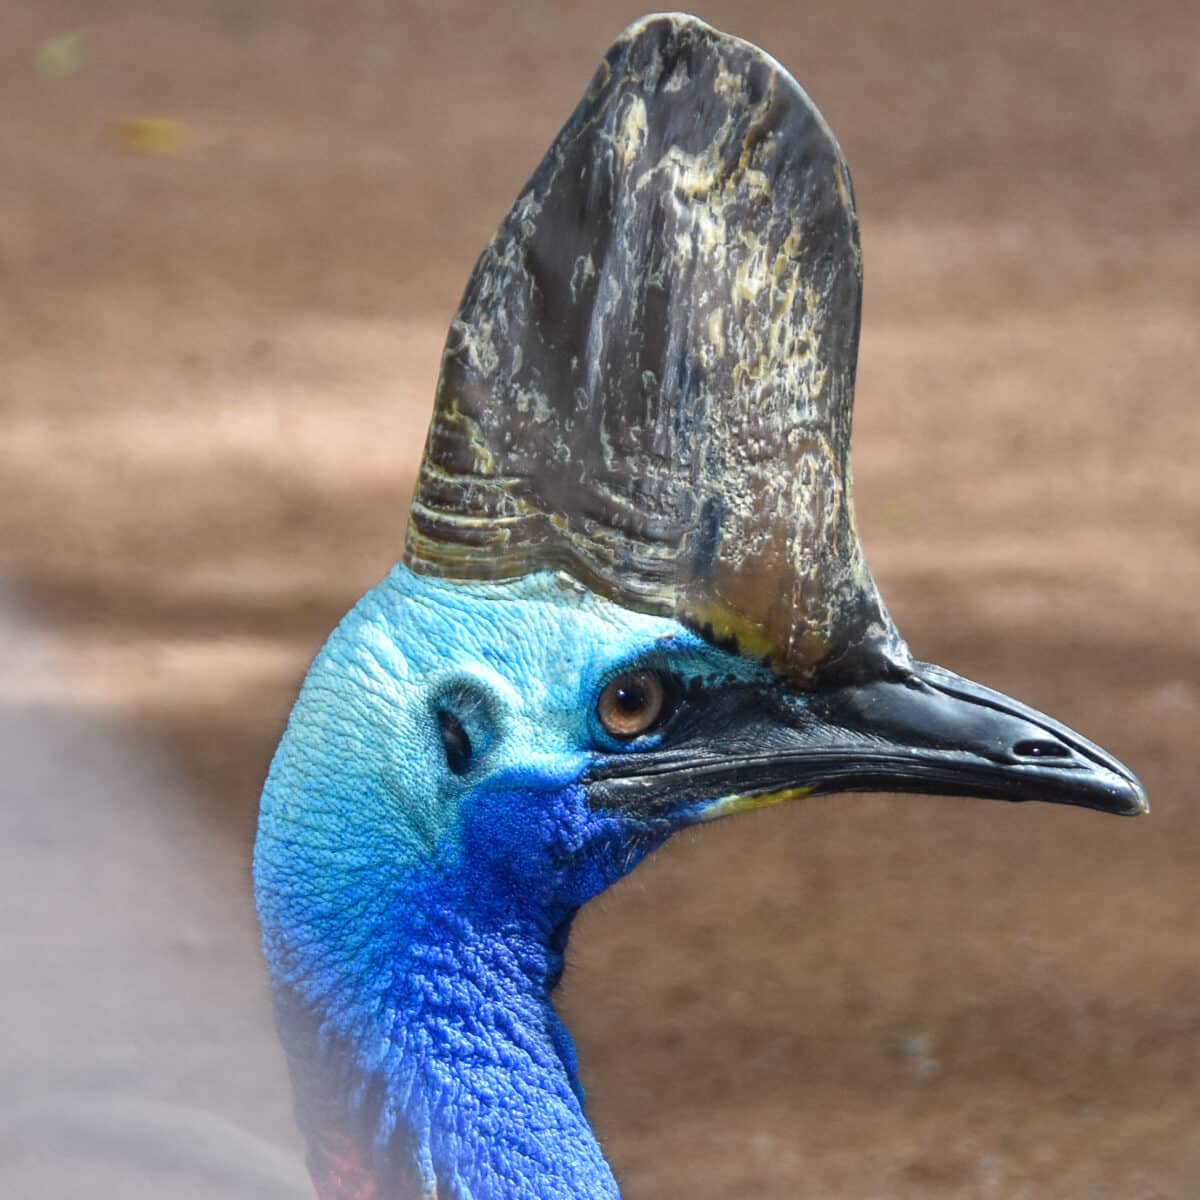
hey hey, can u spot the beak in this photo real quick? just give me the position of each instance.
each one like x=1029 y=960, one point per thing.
x=744 y=746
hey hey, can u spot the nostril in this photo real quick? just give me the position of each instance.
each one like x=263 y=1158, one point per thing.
x=1040 y=748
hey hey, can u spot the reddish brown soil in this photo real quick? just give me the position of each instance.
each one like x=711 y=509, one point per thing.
x=217 y=369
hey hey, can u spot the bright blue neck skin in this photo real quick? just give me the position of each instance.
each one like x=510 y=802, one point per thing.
x=421 y=914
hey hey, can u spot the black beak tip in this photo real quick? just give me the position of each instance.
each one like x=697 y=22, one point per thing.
x=1118 y=792
x=1131 y=799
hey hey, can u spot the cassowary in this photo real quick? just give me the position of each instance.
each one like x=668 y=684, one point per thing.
x=632 y=600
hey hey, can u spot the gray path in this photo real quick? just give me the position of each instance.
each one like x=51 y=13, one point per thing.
x=137 y=1056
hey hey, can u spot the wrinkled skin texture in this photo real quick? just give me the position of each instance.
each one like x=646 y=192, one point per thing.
x=414 y=919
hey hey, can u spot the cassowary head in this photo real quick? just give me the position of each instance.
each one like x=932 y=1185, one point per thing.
x=633 y=599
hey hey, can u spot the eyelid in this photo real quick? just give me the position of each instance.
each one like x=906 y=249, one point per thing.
x=650 y=658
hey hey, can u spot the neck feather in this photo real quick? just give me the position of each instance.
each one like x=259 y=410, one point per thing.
x=459 y=1079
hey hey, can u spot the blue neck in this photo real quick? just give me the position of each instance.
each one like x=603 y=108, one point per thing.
x=485 y=1077
x=433 y=1004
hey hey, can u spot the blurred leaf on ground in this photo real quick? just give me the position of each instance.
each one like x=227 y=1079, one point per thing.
x=152 y=137
x=61 y=56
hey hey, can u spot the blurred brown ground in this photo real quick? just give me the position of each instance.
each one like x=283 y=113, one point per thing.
x=217 y=370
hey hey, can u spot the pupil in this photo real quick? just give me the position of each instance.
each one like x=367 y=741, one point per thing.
x=631 y=697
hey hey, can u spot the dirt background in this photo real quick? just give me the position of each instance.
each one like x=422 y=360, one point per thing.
x=218 y=363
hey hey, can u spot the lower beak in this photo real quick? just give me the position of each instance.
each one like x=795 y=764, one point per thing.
x=929 y=731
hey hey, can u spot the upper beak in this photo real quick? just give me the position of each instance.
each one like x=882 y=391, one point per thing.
x=931 y=731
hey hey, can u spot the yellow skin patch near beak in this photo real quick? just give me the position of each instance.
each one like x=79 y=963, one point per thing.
x=739 y=804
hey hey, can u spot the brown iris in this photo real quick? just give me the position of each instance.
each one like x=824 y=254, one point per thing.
x=631 y=703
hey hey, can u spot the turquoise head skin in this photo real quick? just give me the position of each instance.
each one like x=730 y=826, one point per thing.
x=415 y=902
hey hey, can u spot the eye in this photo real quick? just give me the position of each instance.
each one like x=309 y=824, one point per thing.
x=455 y=741
x=632 y=703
